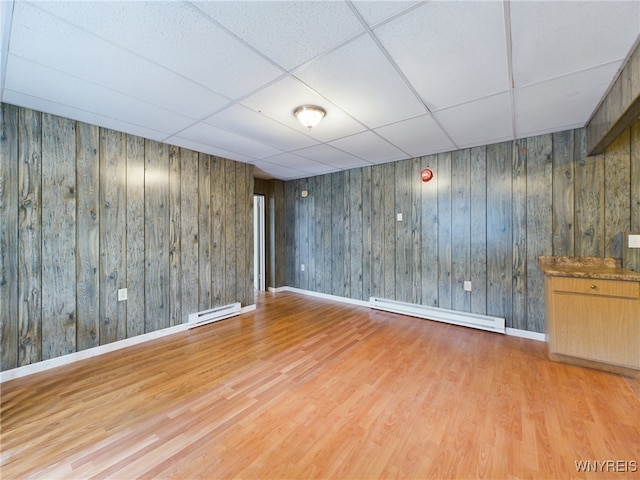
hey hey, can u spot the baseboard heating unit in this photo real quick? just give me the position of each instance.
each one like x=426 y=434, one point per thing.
x=456 y=317
x=213 y=315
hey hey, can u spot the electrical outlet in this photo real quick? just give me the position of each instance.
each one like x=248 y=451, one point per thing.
x=122 y=294
x=634 y=241
x=302 y=267
x=467 y=286
x=399 y=217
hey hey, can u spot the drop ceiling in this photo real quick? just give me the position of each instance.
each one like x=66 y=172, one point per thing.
x=398 y=79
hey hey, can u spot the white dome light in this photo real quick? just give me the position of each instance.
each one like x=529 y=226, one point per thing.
x=309 y=115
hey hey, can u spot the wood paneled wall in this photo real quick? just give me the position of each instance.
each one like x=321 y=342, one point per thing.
x=85 y=211
x=486 y=216
x=619 y=108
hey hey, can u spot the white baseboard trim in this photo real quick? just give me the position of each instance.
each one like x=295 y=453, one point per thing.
x=513 y=332
x=326 y=296
x=88 y=353
x=248 y=308
x=278 y=289
x=100 y=350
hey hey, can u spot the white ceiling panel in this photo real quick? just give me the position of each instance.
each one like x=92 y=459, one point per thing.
x=47 y=40
x=280 y=99
x=66 y=111
x=451 y=52
x=398 y=79
x=26 y=77
x=176 y=36
x=369 y=147
x=332 y=156
x=273 y=170
x=296 y=162
x=417 y=135
x=481 y=122
x=551 y=39
x=208 y=134
x=375 y=12
x=208 y=149
x=565 y=100
x=381 y=97
x=290 y=33
x=245 y=121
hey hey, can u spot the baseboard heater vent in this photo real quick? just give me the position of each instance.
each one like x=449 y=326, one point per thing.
x=466 y=319
x=214 y=314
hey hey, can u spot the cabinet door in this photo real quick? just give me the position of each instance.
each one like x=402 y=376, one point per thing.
x=597 y=328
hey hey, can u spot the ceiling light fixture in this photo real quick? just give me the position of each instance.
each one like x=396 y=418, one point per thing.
x=309 y=115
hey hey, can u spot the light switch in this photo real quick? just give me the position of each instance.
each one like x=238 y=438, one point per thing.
x=467 y=286
x=122 y=294
x=399 y=217
x=634 y=241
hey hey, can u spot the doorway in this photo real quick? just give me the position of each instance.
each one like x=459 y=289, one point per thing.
x=259 y=241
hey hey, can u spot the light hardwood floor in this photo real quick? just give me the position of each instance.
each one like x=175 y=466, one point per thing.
x=308 y=388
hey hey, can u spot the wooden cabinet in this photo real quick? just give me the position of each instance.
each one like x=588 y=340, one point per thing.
x=594 y=322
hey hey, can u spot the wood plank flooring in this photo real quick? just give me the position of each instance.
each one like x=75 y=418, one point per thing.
x=308 y=388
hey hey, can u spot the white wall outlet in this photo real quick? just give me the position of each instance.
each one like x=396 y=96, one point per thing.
x=302 y=267
x=399 y=217
x=467 y=286
x=634 y=241
x=122 y=294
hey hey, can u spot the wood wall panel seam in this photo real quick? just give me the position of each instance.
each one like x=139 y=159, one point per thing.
x=88 y=236
x=9 y=207
x=29 y=237
x=189 y=237
x=135 y=232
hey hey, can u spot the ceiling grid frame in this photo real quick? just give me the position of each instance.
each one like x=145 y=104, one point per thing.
x=558 y=61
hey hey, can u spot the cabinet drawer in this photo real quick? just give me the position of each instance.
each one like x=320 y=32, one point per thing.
x=588 y=286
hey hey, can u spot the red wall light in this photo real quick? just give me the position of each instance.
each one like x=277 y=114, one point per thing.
x=426 y=175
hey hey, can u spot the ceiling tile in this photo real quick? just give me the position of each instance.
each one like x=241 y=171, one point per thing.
x=416 y=136
x=451 y=52
x=208 y=149
x=290 y=33
x=266 y=169
x=176 y=36
x=378 y=11
x=208 y=134
x=5 y=28
x=557 y=38
x=358 y=78
x=481 y=122
x=280 y=99
x=370 y=147
x=299 y=163
x=331 y=156
x=50 y=41
x=246 y=122
x=561 y=103
x=26 y=77
x=78 y=114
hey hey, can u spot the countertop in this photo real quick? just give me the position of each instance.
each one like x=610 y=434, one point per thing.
x=587 y=267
